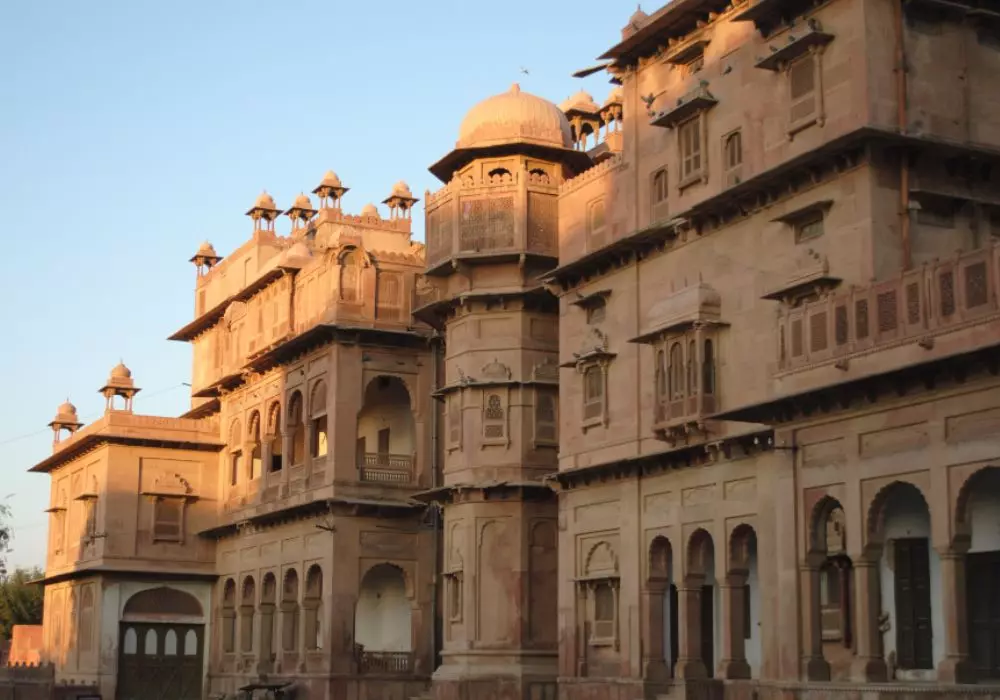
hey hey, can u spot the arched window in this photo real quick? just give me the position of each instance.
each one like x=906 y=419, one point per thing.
x=499 y=174
x=247 y=604
x=313 y=604
x=317 y=414
x=191 y=643
x=350 y=276
x=675 y=378
x=595 y=219
x=268 y=596
x=255 y=445
x=131 y=644
x=85 y=633
x=661 y=375
x=546 y=425
x=290 y=611
x=593 y=392
x=229 y=616
x=734 y=151
x=493 y=418
x=708 y=369
x=170 y=643
x=235 y=452
x=274 y=434
x=149 y=646
x=297 y=428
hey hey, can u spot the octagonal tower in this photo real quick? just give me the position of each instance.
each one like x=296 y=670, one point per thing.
x=491 y=233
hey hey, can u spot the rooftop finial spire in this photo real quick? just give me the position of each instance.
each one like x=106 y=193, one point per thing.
x=515 y=89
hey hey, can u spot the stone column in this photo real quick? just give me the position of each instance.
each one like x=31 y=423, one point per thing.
x=814 y=667
x=956 y=667
x=869 y=665
x=286 y=456
x=654 y=666
x=264 y=661
x=581 y=630
x=734 y=601
x=689 y=662
x=265 y=461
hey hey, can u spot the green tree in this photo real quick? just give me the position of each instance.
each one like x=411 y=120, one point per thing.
x=20 y=601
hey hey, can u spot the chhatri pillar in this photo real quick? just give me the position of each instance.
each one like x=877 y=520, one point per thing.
x=491 y=232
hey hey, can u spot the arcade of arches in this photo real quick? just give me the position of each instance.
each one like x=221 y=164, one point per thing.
x=894 y=599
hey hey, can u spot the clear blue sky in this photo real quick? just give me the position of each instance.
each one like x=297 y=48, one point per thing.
x=130 y=131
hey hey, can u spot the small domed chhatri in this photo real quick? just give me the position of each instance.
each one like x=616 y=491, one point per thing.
x=369 y=210
x=119 y=384
x=302 y=201
x=66 y=419
x=582 y=101
x=330 y=191
x=205 y=259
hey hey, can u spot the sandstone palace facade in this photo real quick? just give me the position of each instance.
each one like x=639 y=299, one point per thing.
x=690 y=393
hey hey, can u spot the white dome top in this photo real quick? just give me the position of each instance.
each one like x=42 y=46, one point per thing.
x=514 y=116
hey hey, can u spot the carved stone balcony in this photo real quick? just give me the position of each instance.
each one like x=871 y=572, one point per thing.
x=391 y=662
x=916 y=307
x=383 y=468
x=680 y=416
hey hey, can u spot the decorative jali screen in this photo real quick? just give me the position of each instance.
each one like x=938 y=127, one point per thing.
x=487 y=223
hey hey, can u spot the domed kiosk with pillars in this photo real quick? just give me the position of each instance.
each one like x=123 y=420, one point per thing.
x=491 y=231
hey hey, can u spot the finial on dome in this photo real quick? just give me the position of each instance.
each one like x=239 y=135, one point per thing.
x=515 y=89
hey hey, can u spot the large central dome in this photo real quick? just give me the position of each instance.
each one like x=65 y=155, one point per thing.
x=514 y=116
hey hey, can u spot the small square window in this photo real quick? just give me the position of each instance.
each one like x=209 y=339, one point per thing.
x=809 y=228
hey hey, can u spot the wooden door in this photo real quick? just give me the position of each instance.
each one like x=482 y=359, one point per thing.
x=160 y=661
x=914 y=645
x=383 y=441
x=707 y=629
x=983 y=598
x=359 y=452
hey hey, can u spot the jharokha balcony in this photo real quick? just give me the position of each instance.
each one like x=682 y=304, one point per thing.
x=386 y=468
x=918 y=309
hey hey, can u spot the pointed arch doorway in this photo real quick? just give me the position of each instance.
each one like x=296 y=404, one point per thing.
x=161 y=646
